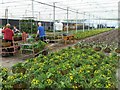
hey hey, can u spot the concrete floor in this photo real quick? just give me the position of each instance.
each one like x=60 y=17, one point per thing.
x=9 y=61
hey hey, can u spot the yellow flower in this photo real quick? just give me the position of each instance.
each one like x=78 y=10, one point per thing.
x=71 y=77
x=35 y=82
x=49 y=81
x=108 y=85
x=80 y=70
x=10 y=77
x=75 y=87
x=95 y=65
x=88 y=71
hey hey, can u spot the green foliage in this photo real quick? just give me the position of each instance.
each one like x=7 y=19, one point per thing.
x=33 y=35
x=28 y=26
x=3 y=73
x=70 y=68
x=18 y=35
x=40 y=45
x=82 y=35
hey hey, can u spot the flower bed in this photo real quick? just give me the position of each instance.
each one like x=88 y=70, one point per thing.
x=68 y=68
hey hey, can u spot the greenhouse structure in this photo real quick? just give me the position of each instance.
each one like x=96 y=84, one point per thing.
x=59 y=44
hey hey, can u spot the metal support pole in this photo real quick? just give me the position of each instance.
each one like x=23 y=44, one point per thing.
x=32 y=16
x=19 y=25
x=50 y=21
x=39 y=15
x=32 y=8
x=76 y=20
x=54 y=19
x=89 y=23
x=99 y=24
x=93 y=23
x=67 y=18
x=83 y=21
x=6 y=14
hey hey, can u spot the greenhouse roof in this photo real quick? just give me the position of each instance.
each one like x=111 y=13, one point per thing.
x=64 y=9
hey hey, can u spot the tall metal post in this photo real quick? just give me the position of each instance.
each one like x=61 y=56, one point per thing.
x=99 y=24
x=89 y=23
x=76 y=20
x=50 y=20
x=93 y=23
x=19 y=25
x=6 y=14
x=32 y=9
x=39 y=15
x=83 y=21
x=54 y=18
x=67 y=18
x=32 y=16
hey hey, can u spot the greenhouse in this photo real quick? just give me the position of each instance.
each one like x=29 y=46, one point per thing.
x=59 y=44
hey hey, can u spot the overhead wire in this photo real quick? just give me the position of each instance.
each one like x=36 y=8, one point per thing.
x=61 y=8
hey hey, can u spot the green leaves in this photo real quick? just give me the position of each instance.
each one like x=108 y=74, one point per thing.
x=71 y=68
x=81 y=35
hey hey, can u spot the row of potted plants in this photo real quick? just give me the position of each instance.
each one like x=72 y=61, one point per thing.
x=68 y=68
x=82 y=35
x=78 y=35
x=99 y=46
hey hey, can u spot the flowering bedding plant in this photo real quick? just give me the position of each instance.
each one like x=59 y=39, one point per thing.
x=69 y=68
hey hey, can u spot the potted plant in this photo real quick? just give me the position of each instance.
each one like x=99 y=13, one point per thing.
x=18 y=68
x=97 y=47
x=17 y=37
x=117 y=50
x=16 y=81
x=107 y=49
x=4 y=73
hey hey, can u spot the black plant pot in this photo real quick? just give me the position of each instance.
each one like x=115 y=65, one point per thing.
x=97 y=48
x=20 y=86
x=107 y=50
x=117 y=50
x=19 y=70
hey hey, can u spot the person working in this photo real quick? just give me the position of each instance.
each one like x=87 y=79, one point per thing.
x=15 y=30
x=8 y=34
x=41 y=32
x=24 y=36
